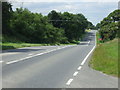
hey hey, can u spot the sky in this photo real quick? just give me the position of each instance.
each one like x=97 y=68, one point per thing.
x=93 y=10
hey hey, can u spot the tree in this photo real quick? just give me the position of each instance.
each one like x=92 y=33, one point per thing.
x=109 y=26
x=55 y=19
x=98 y=26
x=90 y=25
x=74 y=25
x=6 y=17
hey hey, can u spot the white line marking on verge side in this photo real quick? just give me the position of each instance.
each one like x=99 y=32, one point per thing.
x=69 y=81
x=87 y=56
x=10 y=62
x=79 y=67
x=75 y=74
x=89 y=53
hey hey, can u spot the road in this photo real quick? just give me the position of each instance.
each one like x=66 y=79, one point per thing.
x=54 y=67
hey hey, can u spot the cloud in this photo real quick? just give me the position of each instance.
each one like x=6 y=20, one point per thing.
x=94 y=11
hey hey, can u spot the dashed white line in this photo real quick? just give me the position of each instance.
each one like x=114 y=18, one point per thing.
x=88 y=43
x=75 y=74
x=39 y=53
x=1 y=61
x=69 y=81
x=30 y=54
x=79 y=67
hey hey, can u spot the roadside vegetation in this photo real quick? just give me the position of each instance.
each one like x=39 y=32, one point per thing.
x=105 y=56
x=12 y=43
x=56 y=28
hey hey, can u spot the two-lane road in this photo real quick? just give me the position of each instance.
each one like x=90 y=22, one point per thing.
x=51 y=67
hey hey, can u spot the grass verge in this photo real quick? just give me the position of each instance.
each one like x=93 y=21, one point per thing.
x=105 y=57
x=8 y=45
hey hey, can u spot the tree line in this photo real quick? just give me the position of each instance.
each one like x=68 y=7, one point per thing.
x=54 y=28
x=109 y=26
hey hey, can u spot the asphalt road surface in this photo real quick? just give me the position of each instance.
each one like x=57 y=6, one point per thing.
x=54 y=67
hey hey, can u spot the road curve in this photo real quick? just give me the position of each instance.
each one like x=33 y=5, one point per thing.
x=56 y=67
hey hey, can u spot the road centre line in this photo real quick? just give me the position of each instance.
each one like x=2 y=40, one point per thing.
x=1 y=61
x=79 y=67
x=30 y=54
x=88 y=43
x=10 y=62
x=75 y=74
x=69 y=81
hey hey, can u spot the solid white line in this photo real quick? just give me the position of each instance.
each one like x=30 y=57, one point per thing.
x=10 y=62
x=79 y=67
x=87 y=56
x=75 y=74
x=69 y=81
x=89 y=53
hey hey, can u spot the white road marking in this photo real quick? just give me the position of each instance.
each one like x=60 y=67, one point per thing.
x=87 y=56
x=79 y=67
x=1 y=61
x=89 y=53
x=69 y=81
x=10 y=62
x=75 y=74
x=89 y=42
x=30 y=54
x=39 y=54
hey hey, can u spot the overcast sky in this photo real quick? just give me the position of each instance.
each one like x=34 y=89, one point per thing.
x=94 y=10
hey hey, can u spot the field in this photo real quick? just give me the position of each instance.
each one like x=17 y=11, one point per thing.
x=105 y=57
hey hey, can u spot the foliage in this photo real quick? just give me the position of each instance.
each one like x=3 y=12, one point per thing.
x=6 y=17
x=55 y=28
x=109 y=26
x=91 y=26
x=74 y=25
x=98 y=26
x=109 y=32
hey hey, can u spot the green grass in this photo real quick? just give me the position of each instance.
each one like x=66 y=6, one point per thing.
x=105 y=57
x=8 y=45
x=11 y=42
x=87 y=30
